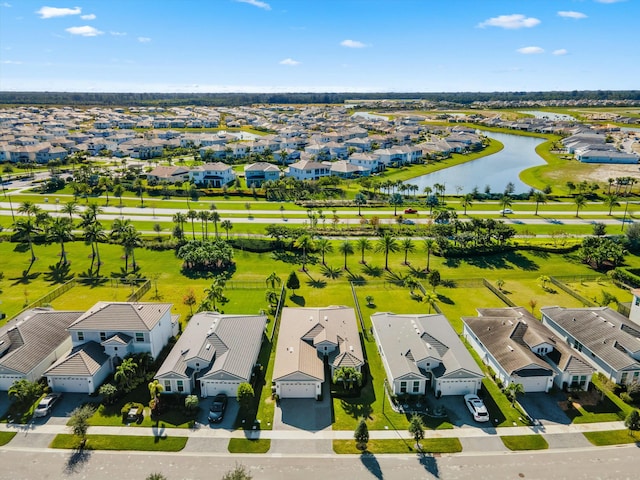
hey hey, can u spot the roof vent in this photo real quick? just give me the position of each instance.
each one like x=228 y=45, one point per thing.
x=208 y=346
x=510 y=348
x=139 y=307
x=311 y=318
x=326 y=319
x=351 y=348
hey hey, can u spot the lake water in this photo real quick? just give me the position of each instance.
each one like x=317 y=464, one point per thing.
x=495 y=170
x=370 y=116
x=240 y=135
x=550 y=115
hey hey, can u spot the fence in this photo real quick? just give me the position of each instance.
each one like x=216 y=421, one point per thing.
x=137 y=295
x=498 y=293
x=52 y=295
x=358 y=312
x=276 y=316
x=585 y=301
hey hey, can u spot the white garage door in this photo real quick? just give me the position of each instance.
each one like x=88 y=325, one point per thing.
x=457 y=387
x=533 y=384
x=297 y=390
x=210 y=389
x=7 y=380
x=71 y=385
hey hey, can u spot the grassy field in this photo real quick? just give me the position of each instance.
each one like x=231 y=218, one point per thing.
x=525 y=442
x=121 y=442
x=430 y=445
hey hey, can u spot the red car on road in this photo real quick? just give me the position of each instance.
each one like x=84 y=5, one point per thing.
x=410 y=210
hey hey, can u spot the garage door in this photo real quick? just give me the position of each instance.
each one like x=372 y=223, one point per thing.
x=533 y=384
x=7 y=380
x=297 y=390
x=457 y=387
x=210 y=389
x=71 y=384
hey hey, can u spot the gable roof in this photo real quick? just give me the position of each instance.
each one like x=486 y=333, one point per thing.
x=223 y=343
x=83 y=360
x=409 y=339
x=122 y=316
x=605 y=332
x=26 y=341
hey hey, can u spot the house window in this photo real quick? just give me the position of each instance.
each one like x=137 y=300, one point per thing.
x=635 y=376
x=623 y=378
x=416 y=386
x=180 y=384
x=81 y=336
x=139 y=337
x=403 y=387
x=103 y=336
x=167 y=385
x=583 y=380
x=577 y=345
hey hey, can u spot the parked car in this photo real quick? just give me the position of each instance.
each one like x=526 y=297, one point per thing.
x=410 y=210
x=506 y=210
x=46 y=405
x=408 y=222
x=218 y=406
x=476 y=407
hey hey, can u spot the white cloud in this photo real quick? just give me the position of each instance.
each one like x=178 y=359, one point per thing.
x=52 y=12
x=5 y=5
x=144 y=39
x=610 y=1
x=90 y=16
x=571 y=14
x=289 y=61
x=530 y=50
x=84 y=31
x=352 y=44
x=256 y=3
x=11 y=62
x=560 y=51
x=118 y=34
x=510 y=22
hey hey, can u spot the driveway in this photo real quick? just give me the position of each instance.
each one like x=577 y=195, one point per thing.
x=456 y=410
x=304 y=413
x=544 y=408
x=229 y=418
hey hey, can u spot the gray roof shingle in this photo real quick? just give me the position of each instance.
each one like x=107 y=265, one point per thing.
x=121 y=316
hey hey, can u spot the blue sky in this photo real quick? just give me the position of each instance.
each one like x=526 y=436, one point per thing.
x=319 y=45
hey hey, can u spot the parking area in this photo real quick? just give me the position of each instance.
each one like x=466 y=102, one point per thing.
x=457 y=411
x=227 y=421
x=304 y=413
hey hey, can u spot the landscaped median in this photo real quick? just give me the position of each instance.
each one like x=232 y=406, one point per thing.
x=612 y=437
x=247 y=445
x=6 y=437
x=525 y=442
x=429 y=445
x=145 y=443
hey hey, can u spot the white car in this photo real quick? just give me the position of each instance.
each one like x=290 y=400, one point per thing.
x=506 y=210
x=46 y=405
x=476 y=407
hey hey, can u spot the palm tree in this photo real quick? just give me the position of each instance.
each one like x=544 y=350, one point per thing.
x=138 y=186
x=125 y=372
x=179 y=218
x=70 y=208
x=227 y=225
x=505 y=202
x=215 y=218
x=94 y=234
x=346 y=248
x=396 y=200
x=130 y=239
x=512 y=391
x=363 y=245
x=416 y=428
x=26 y=229
x=467 y=201
x=29 y=208
x=105 y=183
x=272 y=280
x=203 y=216
x=387 y=243
x=408 y=246
x=429 y=245
x=192 y=215
x=305 y=242
x=118 y=191
x=430 y=298
x=611 y=200
x=324 y=246
x=215 y=292
x=60 y=231
x=580 y=202
x=359 y=200
x=540 y=198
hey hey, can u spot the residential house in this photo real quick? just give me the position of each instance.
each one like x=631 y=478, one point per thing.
x=307 y=337
x=106 y=334
x=345 y=169
x=308 y=170
x=521 y=349
x=258 y=173
x=33 y=341
x=606 y=339
x=423 y=353
x=215 y=354
x=170 y=174
x=212 y=175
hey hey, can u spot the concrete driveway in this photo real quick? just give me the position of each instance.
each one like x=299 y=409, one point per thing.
x=544 y=408
x=457 y=411
x=304 y=413
x=229 y=418
x=62 y=410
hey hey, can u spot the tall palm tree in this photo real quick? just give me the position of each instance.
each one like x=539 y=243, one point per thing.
x=272 y=280
x=29 y=208
x=346 y=248
x=130 y=239
x=408 y=246
x=304 y=242
x=387 y=243
x=203 y=215
x=215 y=218
x=105 y=184
x=192 y=215
x=70 y=208
x=430 y=298
x=396 y=200
x=26 y=229
x=363 y=244
x=227 y=225
x=580 y=201
x=324 y=246
x=539 y=198
x=467 y=201
x=429 y=245
x=359 y=200
x=118 y=191
x=180 y=218
x=611 y=200
x=505 y=202
x=60 y=231
x=125 y=372
x=138 y=186
x=94 y=234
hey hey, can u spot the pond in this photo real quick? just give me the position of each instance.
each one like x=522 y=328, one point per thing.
x=550 y=115
x=370 y=116
x=494 y=171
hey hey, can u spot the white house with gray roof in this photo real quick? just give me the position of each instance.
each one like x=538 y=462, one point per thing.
x=106 y=334
x=423 y=353
x=605 y=338
x=215 y=352
x=307 y=337
x=520 y=349
x=32 y=342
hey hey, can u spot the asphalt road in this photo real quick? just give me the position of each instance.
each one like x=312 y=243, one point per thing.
x=604 y=463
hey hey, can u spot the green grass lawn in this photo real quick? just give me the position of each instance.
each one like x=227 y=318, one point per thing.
x=593 y=290
x=245 y=445
x=525 y=442
x=6 y=437
x=430 y=445
x=612 y=437
x=121 y=442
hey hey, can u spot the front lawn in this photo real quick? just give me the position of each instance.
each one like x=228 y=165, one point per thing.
x=611 y=437
x=430 y=445
x=6 y=437
x=121 y=442
x=246 y=445
x=525 y=442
